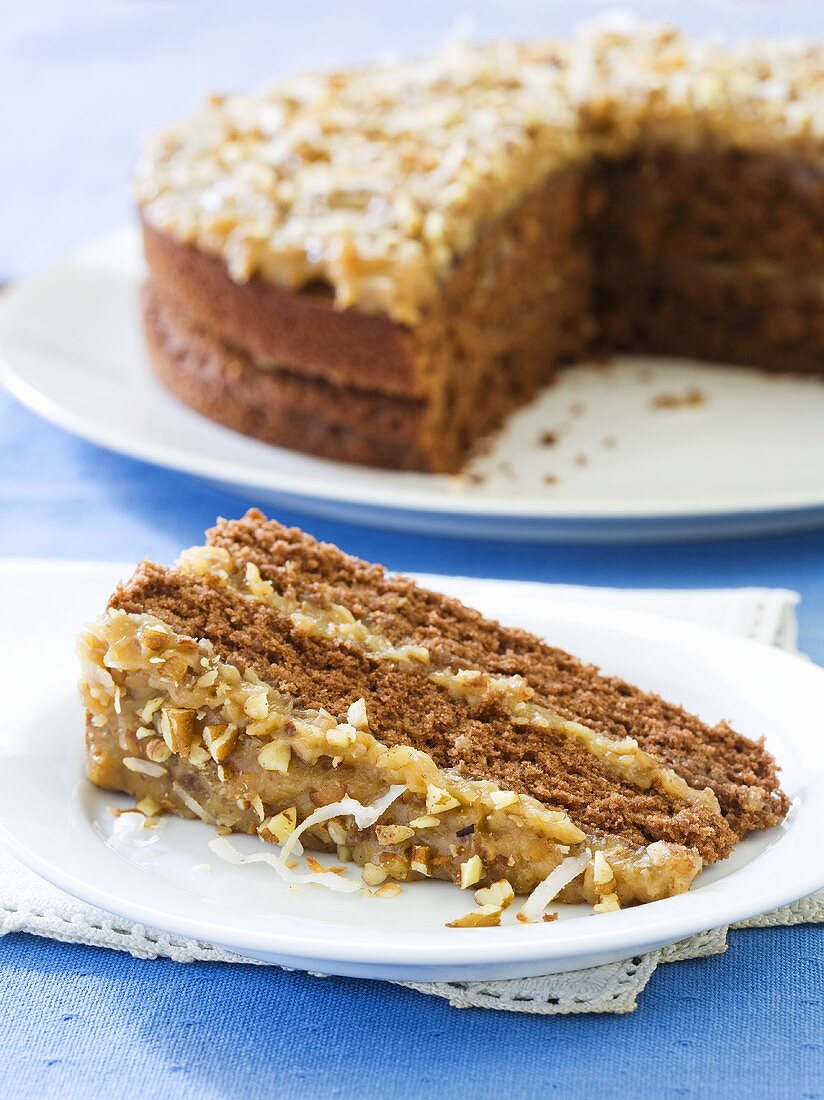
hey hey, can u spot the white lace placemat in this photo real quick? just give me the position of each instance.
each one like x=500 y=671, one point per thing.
x=29 y=904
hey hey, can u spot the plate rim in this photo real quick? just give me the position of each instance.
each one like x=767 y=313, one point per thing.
x=662 y=922
x=314 y=485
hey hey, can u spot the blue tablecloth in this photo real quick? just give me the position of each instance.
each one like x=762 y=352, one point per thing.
x=82 y=1022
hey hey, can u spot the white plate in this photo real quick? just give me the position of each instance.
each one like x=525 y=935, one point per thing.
x=750 y=458
x=56 y=822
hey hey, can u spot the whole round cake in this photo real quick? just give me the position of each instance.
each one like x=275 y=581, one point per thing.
x=379 y=265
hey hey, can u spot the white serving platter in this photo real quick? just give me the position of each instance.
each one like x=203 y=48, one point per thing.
x=57 y=823
x=748 y=457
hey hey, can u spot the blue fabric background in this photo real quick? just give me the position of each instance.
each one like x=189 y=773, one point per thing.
x=79 y=82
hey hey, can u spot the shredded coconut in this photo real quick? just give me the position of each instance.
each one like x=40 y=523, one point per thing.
x=546 y=891
x=364 y=817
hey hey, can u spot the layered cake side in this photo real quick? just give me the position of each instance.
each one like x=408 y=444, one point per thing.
x=270 y=684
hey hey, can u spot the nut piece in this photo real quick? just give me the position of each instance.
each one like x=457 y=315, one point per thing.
x=157 y=750
x=562 y=828
x=282 y=825
x=356 y=715
x=393 y=834
x=275 y=756
x=487 y=916
x=501 y=799
x=148 y=807
x=425 y=822
x=154 y=637
x=177 y=727
x=438 y=800
x=220 y=740
x=198 y=756
x=257 y=705
x=500 y=893
x=388 y=890
x=601 y=870
x=609 y=903
x=471 y=872
x=373 y=875
x=337 y=833
x=341 y=736
x=420 y=860
x=150 y=707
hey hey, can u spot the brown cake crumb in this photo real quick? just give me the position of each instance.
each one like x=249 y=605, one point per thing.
x=549 y=479
x=548 y=439
x=691 y=399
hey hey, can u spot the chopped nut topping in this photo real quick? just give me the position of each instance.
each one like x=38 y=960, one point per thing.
x=609 y=903
x=373 y=875
x=315 y=865
x=157 y=750
x=148 y=807
x=257 y=705
x=220 y=740
x=154 y=637
x=601 y=870
x=275 y=756
x=337 y=833
x=487 y=916
x=342 y=736
x=282 y=825
x=428 y=821
x=438 y=800
x=420 y=859
x=501 y=799
x=356 y=715
x=388 y=890
x=393 y=834
x=472 y=871
x=198 y=756
x=150 y=708
x=500 y=894
x=177 y=727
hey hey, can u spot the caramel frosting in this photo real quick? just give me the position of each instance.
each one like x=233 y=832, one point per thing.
x=372 y=181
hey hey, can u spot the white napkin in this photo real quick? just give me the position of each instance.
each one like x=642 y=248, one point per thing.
x=29 y=904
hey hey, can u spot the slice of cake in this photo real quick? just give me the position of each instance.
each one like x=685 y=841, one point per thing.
x=272 y=684
x=379 y=265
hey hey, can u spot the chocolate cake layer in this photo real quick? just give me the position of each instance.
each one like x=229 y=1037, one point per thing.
x=740 y=772
x=709 y=203
x=407 y=708
x=501 y=303
x=711 y=253
x=726 y=313
x=280 y=407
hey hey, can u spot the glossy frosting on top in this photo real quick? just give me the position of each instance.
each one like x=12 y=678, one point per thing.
x=373 y=180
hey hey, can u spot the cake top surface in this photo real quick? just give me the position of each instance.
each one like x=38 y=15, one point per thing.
x=373 y=180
